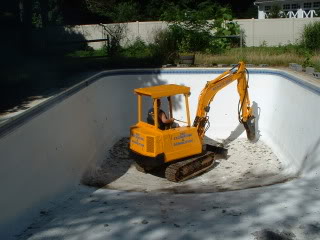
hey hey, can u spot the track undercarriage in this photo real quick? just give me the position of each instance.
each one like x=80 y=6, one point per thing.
x=184 y=169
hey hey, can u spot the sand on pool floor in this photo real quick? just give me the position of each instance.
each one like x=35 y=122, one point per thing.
x=247 y=165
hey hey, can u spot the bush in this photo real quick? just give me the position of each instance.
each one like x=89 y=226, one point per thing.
x=311 y=36
x=276 y=12
x=203 y=29
x=137 y=49
x=164 y=48
x=89 y=53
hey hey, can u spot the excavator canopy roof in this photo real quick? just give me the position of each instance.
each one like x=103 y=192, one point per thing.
x=163 y=90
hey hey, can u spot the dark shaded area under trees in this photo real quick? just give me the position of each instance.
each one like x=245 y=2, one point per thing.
x=35 y=63
x=30 y=68
x=32 y=63
x=81 y=12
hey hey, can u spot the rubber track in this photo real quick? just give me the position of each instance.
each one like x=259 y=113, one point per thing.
x=181 y=171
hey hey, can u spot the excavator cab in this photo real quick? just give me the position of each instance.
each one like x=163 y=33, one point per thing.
x=162 y=125
x=152 y=146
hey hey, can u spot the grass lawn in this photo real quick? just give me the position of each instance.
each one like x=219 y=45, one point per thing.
x=273 y=56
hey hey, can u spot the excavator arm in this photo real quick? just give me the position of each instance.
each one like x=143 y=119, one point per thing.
x=210 y=90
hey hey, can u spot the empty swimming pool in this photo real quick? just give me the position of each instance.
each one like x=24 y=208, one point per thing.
x=48 y=150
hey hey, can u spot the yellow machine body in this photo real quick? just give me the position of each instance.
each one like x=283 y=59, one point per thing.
x=171 y=144
x=174 y=143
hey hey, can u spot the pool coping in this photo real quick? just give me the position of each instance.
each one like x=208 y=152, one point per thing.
x=16 y=121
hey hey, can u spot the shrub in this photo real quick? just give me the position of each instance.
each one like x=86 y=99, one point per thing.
x=276 y=12
x=311 y=36
x=164 y=47
x=137 y=49
x=194 y=31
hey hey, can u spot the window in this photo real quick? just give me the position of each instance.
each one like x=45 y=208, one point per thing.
x=307 y=5
x=316 y=4
x=267 y=8
x=286 y=6
x=295 y=6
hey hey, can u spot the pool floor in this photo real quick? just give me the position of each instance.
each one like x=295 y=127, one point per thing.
x=247 y=165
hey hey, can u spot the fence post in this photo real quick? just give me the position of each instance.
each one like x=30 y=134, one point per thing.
x=252 y=22
x=138 y=29
x=241 y=38
x=293 y=30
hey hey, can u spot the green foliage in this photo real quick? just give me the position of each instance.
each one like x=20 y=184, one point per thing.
x=273 y=56
x=307 y=60
x=153 y=9
x=293 y=49
x=54 y=13
x=125 y=12
x=195 y=29
x=188 y=40
x=311 y=36
x=137 y=49
x=165 y=46
x=89 y=53
x=116 y=11
x=115 y=33
x=161 y=51
x=263 y=44
x=276 y=12
x=113 y=46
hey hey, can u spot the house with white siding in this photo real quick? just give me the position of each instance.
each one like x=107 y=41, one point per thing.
x=289 y=8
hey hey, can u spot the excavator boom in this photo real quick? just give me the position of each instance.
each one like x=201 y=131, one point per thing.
x=213 y=87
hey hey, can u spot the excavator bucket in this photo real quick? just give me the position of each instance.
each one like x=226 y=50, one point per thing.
x=249 y=125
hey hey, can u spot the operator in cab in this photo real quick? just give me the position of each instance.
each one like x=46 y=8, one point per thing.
x=163 y=121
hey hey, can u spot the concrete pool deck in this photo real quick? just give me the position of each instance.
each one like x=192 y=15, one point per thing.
x=46 y=154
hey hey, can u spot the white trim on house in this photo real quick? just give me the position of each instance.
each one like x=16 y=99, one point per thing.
x=290 y=9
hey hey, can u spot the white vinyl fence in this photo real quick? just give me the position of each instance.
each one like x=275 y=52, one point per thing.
x=270 y=32
x=273 y=32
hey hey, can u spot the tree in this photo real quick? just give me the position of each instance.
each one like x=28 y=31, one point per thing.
x=276 y=12
x=115 y=33
x=116 y=11
x=196 y=29
x=311 y=36
x=46 y=12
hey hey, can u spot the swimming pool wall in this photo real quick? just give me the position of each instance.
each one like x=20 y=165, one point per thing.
x=45 y=150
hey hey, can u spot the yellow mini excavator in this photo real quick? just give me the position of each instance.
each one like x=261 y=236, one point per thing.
x=181 y=149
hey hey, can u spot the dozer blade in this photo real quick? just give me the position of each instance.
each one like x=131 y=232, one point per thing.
x=217 y=149
x=250 y=128
x=183 y=170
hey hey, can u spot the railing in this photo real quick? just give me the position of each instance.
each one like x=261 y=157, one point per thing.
x=295 y=14
x=309 y=14
x=292 y=14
